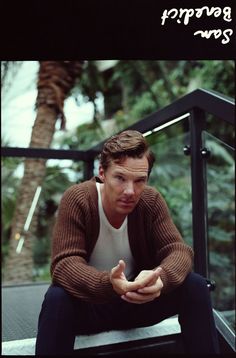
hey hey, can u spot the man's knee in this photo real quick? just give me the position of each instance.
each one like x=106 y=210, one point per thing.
x=57 y=295
x=196 y=285
x=58 y=306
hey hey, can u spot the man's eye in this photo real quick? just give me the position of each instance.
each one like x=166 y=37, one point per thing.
x=141 y=180
x=119 y=178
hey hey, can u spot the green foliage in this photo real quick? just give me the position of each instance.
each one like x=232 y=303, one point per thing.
x=42 y=273
x=9 y=70
x=216 y=75
x=143 y=106
x=85 y=136
x=90 y=82
x=41 y=251
x=57 y=180
x=221 y=221
x=171 y=176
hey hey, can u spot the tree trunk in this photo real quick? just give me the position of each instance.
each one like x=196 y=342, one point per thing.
x=55 y=81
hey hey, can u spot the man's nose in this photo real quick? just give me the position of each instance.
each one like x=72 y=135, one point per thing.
x=129 y=188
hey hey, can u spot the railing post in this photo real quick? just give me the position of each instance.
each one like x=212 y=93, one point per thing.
x=199 y=193
x=88 y=169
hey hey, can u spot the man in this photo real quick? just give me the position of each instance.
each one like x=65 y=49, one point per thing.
x=118 y=261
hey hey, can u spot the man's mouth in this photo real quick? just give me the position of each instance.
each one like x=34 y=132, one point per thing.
x=127 y=202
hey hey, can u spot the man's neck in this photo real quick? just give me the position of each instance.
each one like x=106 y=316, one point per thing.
x=114 y=218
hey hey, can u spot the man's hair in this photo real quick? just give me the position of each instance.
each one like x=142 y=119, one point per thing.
x=128 y=143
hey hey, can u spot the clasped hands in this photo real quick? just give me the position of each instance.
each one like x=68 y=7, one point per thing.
x=145 y=288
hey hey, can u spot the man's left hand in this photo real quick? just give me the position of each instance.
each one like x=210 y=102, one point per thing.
x=148 y=293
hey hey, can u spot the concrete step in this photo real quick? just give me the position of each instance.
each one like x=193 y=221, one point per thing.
x=168 y=327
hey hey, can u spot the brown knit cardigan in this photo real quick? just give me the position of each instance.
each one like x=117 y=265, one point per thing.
x=154 y=240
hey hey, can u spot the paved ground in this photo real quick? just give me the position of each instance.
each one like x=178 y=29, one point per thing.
x=20 y=309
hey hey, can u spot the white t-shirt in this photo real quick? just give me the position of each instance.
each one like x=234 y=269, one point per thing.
x=112 y=244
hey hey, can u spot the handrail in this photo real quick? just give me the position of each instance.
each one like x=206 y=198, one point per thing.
x=224 y=329
x=46 y=153
x=209 y=101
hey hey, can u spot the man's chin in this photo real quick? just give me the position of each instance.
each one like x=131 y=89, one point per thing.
x=125 y=210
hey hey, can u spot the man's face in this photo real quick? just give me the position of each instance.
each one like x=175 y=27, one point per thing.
x=123 y=185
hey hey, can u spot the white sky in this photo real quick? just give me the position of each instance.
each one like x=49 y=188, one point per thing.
x=18 y=113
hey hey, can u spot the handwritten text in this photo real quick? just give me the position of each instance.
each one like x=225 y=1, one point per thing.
x=183 y=16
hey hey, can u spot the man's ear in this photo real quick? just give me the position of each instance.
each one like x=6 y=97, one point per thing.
x=101 y=173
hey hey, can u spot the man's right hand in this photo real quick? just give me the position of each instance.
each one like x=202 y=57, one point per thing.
x=121 y=285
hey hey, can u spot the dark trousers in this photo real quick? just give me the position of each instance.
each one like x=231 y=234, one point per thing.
x=62 y=317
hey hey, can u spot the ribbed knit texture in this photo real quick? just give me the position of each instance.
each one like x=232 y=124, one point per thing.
x=154 y=241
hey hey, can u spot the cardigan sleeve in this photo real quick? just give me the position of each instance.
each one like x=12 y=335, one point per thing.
x=171 y=252
x=69 y=267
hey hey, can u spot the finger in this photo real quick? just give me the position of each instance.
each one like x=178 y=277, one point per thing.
x=134 y=297
x=151 y=283
x=147 y=280
x=132 y=286
x=117 y=270
x=158 y=270
x=150 y=289
x=132 y=301
x=147 y=290
x=154 y=274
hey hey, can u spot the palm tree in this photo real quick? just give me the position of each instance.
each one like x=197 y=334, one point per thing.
x=55 y=81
